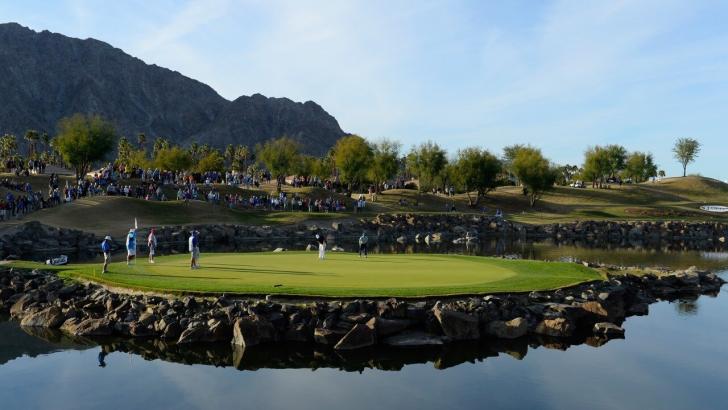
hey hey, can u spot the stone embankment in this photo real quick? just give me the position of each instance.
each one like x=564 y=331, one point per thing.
x=31 y=239
x=42 y=300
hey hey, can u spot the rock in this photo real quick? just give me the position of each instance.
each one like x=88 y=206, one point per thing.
x=600 y=310
x=387 y=327
x=193 y=334
x=608 y=329
x=414 y=339
x=639 y=309
x=559 y=327
x=511 y=329
x=252 y=330
x=457 y=325
x=327 y=336
x=88 y=327
x=218 y=331
x=358 y=337
x=298 y=333
x=18 y=308
x=51 y=317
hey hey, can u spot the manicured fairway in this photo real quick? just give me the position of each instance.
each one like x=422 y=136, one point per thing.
x=341 y=274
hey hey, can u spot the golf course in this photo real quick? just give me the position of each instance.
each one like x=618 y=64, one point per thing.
x=340 y=275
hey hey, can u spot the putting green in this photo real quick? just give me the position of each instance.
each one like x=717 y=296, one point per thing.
x=340 y=275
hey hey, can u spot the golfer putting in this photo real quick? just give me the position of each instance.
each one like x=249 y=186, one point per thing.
x=321 y=239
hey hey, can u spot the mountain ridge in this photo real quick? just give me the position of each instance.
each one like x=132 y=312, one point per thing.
x=45 y=76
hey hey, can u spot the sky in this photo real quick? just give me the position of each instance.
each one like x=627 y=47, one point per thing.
x=560 y=75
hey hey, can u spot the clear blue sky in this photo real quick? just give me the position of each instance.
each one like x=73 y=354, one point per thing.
x=560 y=75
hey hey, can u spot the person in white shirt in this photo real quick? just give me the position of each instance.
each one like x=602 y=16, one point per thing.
x=152 y=245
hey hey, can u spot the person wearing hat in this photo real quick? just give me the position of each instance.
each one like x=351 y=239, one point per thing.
x=321 y=239
x=194 y=247
x=152 y=245
x=130 y=246
x=363 y=244
x=106 y=249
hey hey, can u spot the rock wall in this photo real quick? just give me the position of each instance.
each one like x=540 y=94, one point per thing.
x=32 y=239
x=41 y=300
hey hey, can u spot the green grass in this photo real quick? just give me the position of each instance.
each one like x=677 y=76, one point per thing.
x=340 y=275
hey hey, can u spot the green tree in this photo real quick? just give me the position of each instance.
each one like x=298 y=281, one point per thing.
x=509 y=154
x=686 y=150
x=8 y=147
x=640 y=167
x=159 y=144
x=46 y=139
x=596 y=166
x=124 y=150
x=353 y=157
x=476 y=170
x=616 y=158
x=385 y=162
x=138 y=159
x=173 y=159
x=534 y=172
x=83 y=140
x=280 y=156
x=427 y=161
x=213 y=161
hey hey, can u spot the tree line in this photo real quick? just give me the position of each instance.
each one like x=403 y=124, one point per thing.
x=357 y=163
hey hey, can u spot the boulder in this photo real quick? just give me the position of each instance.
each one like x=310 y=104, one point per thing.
x=608 y=329
x=457 y=325
x=358 y=337
x=559 y=327
x=387 y=327
x=511 y=329
x=88 y=327
x=194 y=333
x=51 y=317
x=218 y=330
x=252 y=330
x=327 y=336
x=18 y=308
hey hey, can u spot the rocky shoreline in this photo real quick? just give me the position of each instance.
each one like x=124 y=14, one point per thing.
x=41 y=300
x=31 y=239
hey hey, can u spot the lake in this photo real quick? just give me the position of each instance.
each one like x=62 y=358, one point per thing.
x=673 y=358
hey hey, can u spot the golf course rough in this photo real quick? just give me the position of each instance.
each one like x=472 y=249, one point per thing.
x=340 y=275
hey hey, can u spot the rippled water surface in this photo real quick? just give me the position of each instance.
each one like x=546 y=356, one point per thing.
x=674 y=358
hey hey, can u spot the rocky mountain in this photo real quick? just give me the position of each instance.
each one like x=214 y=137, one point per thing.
x=45 y=76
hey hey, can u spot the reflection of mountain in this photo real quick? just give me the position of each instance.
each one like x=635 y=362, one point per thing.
x=16 y=342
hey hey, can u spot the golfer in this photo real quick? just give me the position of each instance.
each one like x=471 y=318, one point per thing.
x=363 y=244
x=152 y=245
x=322 y=246
x=130 y=246
x=106 y=249
x=194 y=247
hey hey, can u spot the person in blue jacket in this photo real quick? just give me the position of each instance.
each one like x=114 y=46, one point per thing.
x=106 y=249
x=130 y=246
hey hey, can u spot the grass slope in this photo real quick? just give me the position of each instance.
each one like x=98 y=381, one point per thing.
x=340 y=275
x=671 y=198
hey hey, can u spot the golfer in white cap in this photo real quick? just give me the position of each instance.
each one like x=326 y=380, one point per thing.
x=130 y=246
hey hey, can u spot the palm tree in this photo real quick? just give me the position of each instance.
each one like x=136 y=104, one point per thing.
x=242 y=154
x=230 y=153
x=46 y=141
x=32 y=137
x=142 y=140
